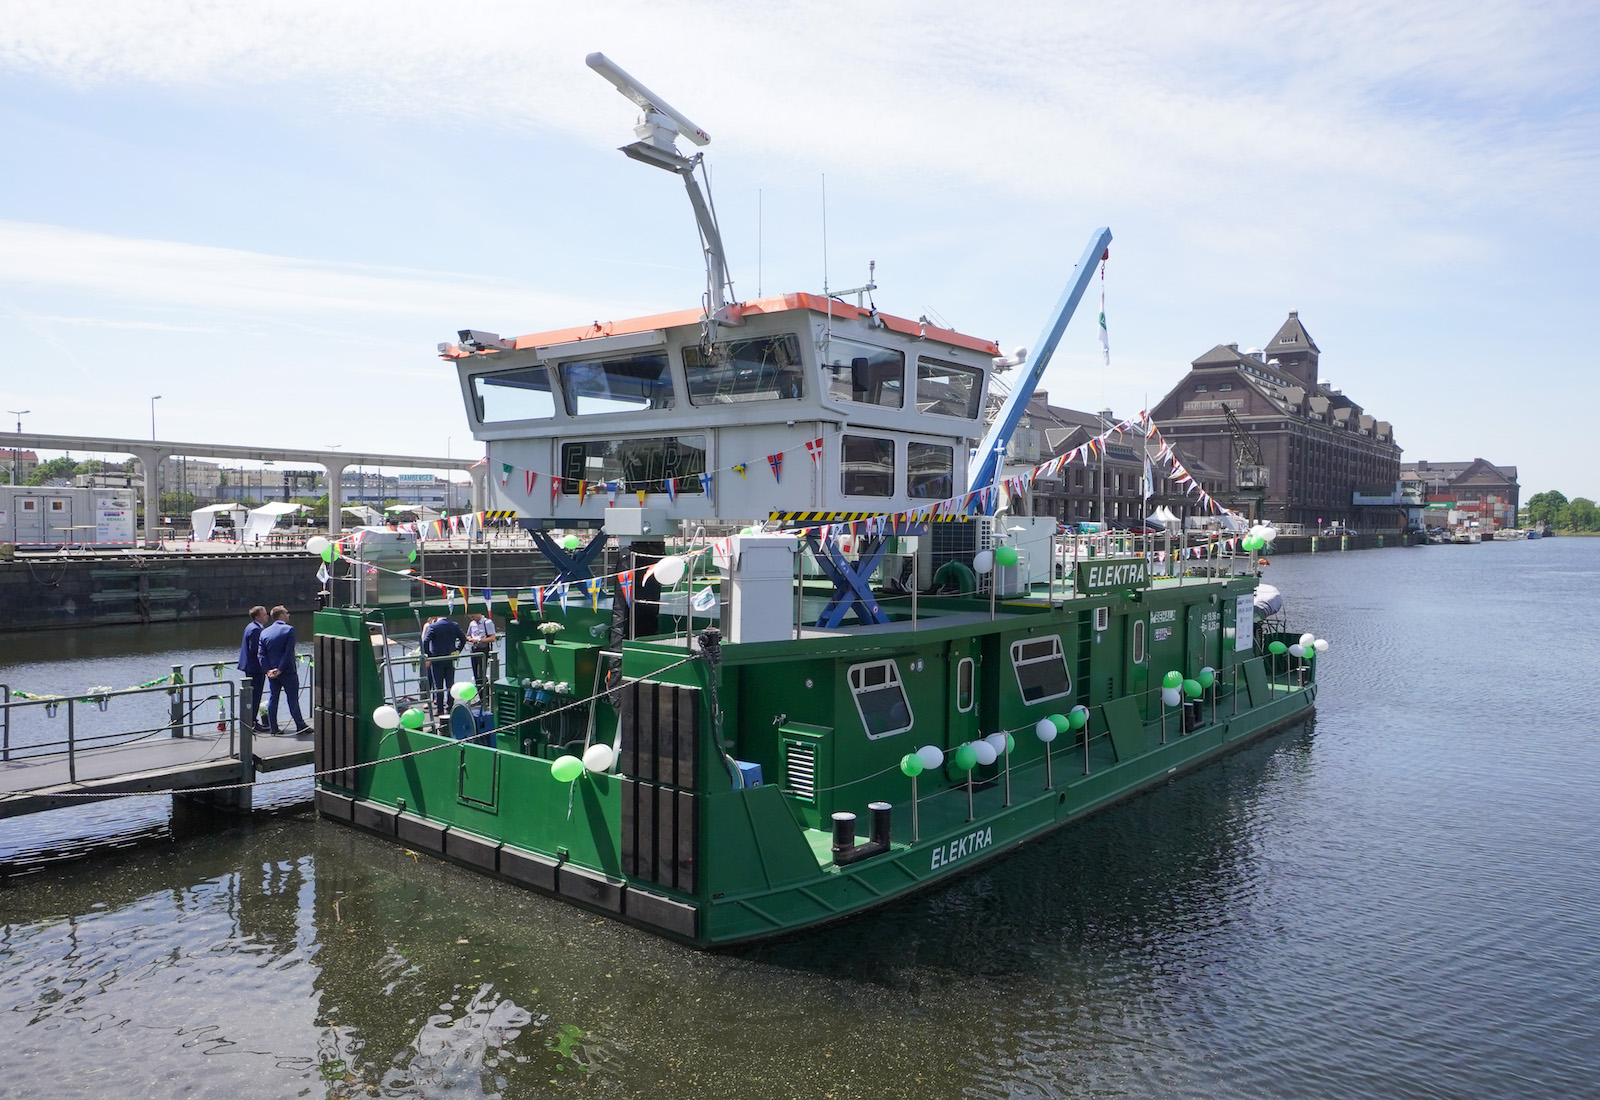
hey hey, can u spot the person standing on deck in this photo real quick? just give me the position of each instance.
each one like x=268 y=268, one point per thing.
x=277 y=657
x=441 y=641
x=250 y=665
x=480 y=636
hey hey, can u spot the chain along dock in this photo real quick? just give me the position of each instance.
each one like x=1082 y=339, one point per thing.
x=186 y=739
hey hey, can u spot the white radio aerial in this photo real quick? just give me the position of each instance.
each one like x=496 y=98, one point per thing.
x=657 y=130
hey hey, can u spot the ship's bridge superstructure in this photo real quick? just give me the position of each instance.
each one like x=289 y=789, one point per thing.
x=807 y=403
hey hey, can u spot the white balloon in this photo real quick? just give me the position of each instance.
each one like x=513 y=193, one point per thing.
x=1045 y=730
x=599 y=758
x=386 y=717
x=316 y=544
x=1297 y=650
x=1269 y=534
x=669 y=571
x=997 y=741
x=985 y=751
x=1171 y=696
x=931 y=757
x=1307 y=639
x=983 y=562
x=1320 y=645
x=1209 y=669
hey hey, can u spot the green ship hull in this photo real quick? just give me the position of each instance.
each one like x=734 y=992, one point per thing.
x=671 y=837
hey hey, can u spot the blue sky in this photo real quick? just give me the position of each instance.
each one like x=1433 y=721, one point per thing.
x=270 y=214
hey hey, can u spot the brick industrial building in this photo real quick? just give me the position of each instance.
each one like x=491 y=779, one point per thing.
x=1317 y=446
x=1477 y=489
x=1073 y=495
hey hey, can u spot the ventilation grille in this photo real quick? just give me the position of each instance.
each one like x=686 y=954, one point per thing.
x=800 y=770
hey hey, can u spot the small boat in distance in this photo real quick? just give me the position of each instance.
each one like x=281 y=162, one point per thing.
x=802 y=655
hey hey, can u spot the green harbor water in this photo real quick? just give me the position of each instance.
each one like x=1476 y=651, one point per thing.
x=1399 y=898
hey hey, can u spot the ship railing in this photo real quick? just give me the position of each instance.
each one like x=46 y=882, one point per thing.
x=188 y=714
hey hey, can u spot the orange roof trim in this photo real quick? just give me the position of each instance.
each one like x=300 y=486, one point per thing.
x=782 y=303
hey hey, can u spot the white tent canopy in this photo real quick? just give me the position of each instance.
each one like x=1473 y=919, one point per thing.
x=423 y=513
x=1163 y=515
x=368 y=516
x=203 y=521
x=265 y=518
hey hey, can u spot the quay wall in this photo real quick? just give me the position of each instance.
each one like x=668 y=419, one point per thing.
x=62 y=592
x=1322 y=544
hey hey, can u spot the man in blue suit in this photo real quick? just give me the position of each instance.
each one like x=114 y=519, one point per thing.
x=250 y=665
x=277 y=657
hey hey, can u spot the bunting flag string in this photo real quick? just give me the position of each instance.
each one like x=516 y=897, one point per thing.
x=531 y=478
x=776 y=462
x=505 y=474
x=739 y=468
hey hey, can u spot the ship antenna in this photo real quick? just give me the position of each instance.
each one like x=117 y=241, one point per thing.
x=658 y=129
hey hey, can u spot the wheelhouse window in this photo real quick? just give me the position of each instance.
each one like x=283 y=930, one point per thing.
x=964 y=678
x=880 y=698
x=930 y=471
x=635 y=463
x=863 y=373
x=867 y=469
x=947 y=389
x=617 y=385
x=521 y=394
x=1041 y=669
x=764 y=369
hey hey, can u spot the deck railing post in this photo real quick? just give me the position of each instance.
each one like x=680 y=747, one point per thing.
x=175 y=702
x=5 y=727
x=72 y=745
x=915 y=831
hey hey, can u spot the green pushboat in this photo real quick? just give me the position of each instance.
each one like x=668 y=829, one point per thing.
x=802 y=654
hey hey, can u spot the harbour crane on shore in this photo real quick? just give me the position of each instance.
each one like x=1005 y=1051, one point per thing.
x=1250 y=469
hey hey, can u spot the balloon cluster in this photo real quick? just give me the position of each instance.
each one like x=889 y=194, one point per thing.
x=1307 y=647
x=984 y=561
x=1052 y=726
x=1175 y=687
x=596 y=758
x=322 y=548
x=1258 y=537
x=963 y=757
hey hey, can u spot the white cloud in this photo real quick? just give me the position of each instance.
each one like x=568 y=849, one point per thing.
x=169 y=275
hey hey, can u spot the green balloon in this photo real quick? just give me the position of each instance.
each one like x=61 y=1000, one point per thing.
x=411 y=556
x=1011 y=744
x=1172 y=679
x=566 y=768
x=329 y=553
x=751 y=531
x=1078 y=717
x=414 y=718
x=570 y=542
x=965 y=758
x=1005 y=555
x=1192 y=688
x=1277 y=649
x=1206 y=678
x=911 y=765
x=1060 y=721
x=469 y=692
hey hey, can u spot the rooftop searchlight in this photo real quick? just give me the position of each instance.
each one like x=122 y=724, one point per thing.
x=658 y=129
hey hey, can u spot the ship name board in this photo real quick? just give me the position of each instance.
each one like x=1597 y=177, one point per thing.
x=1112 y=574
x=961 y=847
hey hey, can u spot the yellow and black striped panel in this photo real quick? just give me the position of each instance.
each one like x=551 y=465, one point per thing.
x=852 y=517
x=499 y=514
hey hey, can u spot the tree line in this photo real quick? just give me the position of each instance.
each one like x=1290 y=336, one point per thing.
x=1553 y=507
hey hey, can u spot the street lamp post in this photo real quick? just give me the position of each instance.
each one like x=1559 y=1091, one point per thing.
x=16 y=452
x=153 y=401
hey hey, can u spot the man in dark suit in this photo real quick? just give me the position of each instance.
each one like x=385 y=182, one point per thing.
x=441 y=641
x=250 y=665
x=277 y=657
